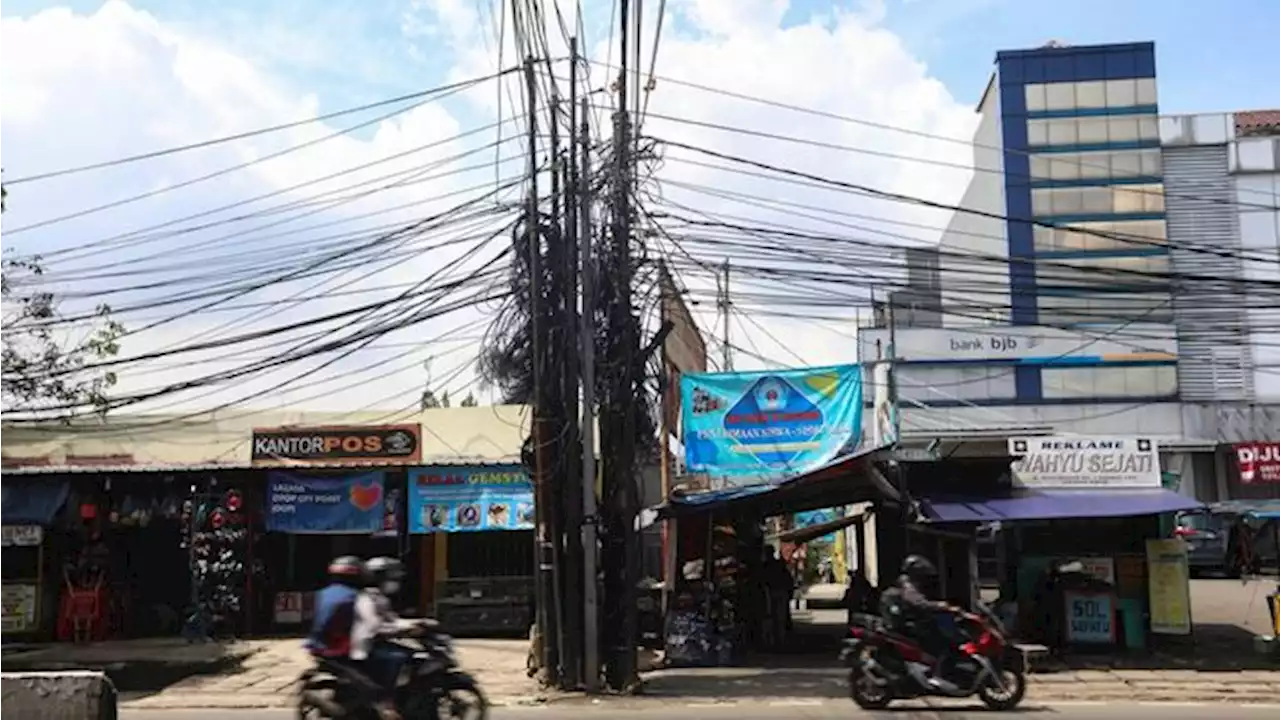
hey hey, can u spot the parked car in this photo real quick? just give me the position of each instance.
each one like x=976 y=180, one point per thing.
x=1214 y=533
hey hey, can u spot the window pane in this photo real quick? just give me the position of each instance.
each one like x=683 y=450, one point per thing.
x=1039 y=167
x=1037 y=132
x=1154 y=198
x=1148 y=128
x=1149 y=162
x=1166 y=380
x=1122 y=93
x=1042 y=201
x=1093 y=130
x=1064 y=167
x=1091 y=94
x=1095 y=165
x=1146 y=91
x=1045 y=238
x=1062 y=132
x=1095 y=200
x=1123 y=129
x=1129 y=199
x=1060 y=96
x=1035 y=97
x=1126 y=164
x=1071 y=201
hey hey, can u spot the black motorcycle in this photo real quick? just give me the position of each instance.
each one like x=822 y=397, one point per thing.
x=432 y=687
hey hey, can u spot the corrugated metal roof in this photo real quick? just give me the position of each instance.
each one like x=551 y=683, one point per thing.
x=450 y=436
x=238 y=466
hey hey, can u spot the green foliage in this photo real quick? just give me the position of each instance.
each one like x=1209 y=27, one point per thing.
x=42 y=369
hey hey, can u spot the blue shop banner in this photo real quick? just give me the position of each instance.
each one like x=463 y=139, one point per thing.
x=470 y=498
x=750 y=427
x=815 y=517
x=302 y=504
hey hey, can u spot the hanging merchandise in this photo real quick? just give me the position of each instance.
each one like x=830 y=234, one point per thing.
x=219 y=536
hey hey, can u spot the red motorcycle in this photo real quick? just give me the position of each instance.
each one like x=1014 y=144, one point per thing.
x=885 y=666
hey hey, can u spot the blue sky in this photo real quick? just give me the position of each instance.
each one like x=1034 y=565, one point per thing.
x=1211 y=56
x=104 y=84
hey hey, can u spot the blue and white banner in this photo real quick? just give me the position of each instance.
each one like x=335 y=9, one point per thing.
x=750 y=427
x=351 y=504
x=469 y=498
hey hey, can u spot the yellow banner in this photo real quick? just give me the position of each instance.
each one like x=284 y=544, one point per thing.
x=1169 y=586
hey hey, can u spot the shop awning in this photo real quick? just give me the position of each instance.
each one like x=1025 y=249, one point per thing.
x=809 y=533
x=31 y=501
x=1260 y=509
x=846 y=480
x=1013 y=505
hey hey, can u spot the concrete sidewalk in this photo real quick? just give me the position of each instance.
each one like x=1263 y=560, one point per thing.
x=266 y=677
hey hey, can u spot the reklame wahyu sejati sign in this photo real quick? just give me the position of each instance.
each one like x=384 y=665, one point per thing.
x=1065 y=462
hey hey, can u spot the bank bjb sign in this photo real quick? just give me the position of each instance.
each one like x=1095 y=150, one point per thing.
x=372 y=444
x=1085 y=462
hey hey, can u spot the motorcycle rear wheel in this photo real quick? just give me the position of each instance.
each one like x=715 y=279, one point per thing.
x=866 y=693
x=995 y=698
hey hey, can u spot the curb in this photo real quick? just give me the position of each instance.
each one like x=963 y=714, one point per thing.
x=279 y=701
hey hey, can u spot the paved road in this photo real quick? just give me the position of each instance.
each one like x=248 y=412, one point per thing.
x=793 y=711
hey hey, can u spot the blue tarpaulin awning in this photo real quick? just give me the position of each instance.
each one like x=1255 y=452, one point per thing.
x=1015 y=505
x=845 y=480
x=29 y=501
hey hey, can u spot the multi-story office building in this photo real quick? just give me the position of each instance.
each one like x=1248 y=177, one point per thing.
x=1090 y=281
x=1063 y=233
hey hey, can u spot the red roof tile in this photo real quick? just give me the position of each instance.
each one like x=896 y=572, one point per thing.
x=1258 y=122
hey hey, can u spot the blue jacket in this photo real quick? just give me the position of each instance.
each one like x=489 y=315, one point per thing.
x=331 y=627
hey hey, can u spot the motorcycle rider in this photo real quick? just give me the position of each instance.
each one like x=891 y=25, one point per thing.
x=333 y=629
x=375 y=619
x=909 y=606
x=330 y=635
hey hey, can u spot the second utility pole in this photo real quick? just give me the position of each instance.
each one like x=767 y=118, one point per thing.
x=587 y=337
x=544 y=497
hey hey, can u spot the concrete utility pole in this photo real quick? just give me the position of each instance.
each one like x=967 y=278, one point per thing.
x=590 y=547
x=544 y=588
x=618 y=431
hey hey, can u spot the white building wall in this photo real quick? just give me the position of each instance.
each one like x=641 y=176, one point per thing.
x=1162 y=421
x=1254 y=163
x=974 y=248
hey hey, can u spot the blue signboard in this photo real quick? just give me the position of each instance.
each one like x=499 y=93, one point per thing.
x=351 y=504
x=469 y=498
x=815 y=517
x=1090 y=618
x=765 y=426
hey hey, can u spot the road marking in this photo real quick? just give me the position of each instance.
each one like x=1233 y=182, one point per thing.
x=796 y=703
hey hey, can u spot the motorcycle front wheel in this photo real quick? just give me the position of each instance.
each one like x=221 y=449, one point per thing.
x=866 y=693
x=1008 y=697
x=452 y=696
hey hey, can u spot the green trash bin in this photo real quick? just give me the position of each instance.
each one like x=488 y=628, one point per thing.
x=1133 y=621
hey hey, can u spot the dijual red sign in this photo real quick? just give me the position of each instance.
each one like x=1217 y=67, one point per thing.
x=1258 y=462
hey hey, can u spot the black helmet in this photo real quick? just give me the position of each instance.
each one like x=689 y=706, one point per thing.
x=384 y=573
x=918 y=568
x=347 y=570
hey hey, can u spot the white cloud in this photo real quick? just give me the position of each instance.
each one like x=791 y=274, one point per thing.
x=121 y=81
